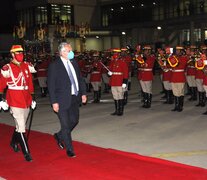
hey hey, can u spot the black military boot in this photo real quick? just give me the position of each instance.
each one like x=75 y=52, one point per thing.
x=14 y=142
x=205 y=113
x=145 y=100
x=149 y=100
x=99 y=95
x=106 y=89
x=199 y=99
x=125 y=97
x=129 y=86
x=88 y=88
x=203 y=99
x=171 y=97
x=165 y=94
x=176 y=103
x=45 y=91
x=188 y=90
x=167 y=97
x=95 y=97
x=42 y=92
x=191 y=93
x=116 y=107
x=24 y=146
x=195 y=91
x=120 y=107
x=180 y=103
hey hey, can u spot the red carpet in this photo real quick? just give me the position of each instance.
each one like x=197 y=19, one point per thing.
x=92 y=163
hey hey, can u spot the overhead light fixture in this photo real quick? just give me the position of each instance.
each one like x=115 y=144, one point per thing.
x=122 y=8
x=112 y=9
x=154 y=3
x=97 y=37
x=159 y=27
x=142 y=5
x=133 y=6
x=123 y=33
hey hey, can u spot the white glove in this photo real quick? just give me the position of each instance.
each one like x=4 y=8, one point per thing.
x=110 y=73
x=33 y=105
x=4 y=105
x=124 y=86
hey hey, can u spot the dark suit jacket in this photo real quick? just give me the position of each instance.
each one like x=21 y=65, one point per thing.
x=59 y=85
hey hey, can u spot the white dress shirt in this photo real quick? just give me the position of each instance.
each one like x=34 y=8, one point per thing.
x=65 y=61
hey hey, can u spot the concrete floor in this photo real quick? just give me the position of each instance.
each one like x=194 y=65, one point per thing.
x=156 y=132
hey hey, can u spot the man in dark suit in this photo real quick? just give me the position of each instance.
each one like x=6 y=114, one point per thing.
x=66 y=89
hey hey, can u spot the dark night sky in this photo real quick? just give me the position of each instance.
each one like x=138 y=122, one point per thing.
x=7 y=16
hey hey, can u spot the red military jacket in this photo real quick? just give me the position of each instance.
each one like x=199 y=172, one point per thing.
x=178 y=72
x=205 y=75
x=82 y=64
x=86 y=69
x=167 y=73
x=205 y=79
x=120 y=72
x=42 y=68
x=128 y=60
x=199 y=64
x=190 y=70
x=96 y=72
x=18 y=79
x=199 y=74
x=145 y=72
x=104 y=69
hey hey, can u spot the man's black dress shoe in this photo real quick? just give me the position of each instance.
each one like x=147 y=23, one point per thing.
x=28 y=157
x=14 y=147
x=70 y=154
x=59 y=143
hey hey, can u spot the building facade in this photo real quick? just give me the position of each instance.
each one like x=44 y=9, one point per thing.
x=105 y=24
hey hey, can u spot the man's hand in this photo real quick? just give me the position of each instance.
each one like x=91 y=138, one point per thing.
x=84 y=99
x=33 y=105
x=123 y=86
x=4 y=105
x=110 y=73
x=55 y=107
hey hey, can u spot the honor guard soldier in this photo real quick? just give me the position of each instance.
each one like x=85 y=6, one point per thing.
x=42 y=66
x=118 y=81
x=178 y=63
x=191 y=71
x=87 y=73
x=199 y=76
x=166 y=73
x=145 y=74
x=17 y=77
x=205 y=76
x=95 y=78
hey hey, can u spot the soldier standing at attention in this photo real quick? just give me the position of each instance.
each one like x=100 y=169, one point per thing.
x=118 y=81
x=146 y=61
x=178 y=62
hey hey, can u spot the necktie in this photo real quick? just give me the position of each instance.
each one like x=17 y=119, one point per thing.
x=72 y=80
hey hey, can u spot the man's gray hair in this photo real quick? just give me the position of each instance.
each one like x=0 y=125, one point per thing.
x=62 y=45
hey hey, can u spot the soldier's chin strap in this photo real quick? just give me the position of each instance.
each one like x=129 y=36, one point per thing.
x=16 y=62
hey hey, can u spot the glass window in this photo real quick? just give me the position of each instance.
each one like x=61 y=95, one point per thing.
x=186 y=35
x=41 y=15
x=197 y=34
x=60 y=12
x=205 y=34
